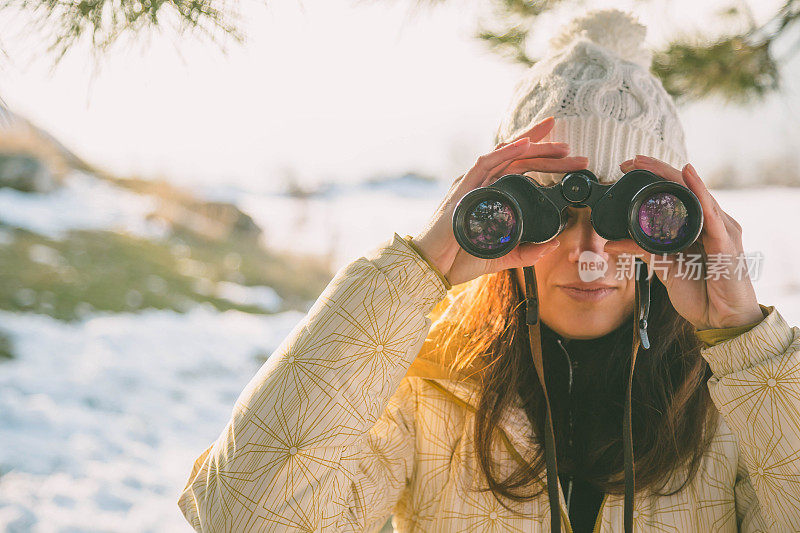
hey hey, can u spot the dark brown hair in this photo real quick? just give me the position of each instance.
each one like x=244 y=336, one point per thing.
x=673 y=416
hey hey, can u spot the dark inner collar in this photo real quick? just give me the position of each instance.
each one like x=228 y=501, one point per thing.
x=597 y=345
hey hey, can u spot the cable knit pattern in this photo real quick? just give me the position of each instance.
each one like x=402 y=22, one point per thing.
x=356 y=417
x=595 y=80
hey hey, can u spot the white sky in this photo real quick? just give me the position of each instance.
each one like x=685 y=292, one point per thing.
x=331 y=90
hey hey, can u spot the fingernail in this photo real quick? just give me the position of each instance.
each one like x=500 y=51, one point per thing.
x=692 y=171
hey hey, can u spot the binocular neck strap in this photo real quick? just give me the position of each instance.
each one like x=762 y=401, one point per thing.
x=642 y=306
x=640 y=337
x=535 y=337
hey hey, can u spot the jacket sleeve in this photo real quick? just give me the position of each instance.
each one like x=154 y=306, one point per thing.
x=756 y=388
x=322 y=437
x=713 y=336
x=750 y=518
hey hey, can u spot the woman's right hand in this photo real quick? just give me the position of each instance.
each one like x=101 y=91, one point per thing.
x=524 y=154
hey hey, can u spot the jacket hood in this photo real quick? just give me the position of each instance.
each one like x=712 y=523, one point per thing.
x=434 y=360
x=433 y=364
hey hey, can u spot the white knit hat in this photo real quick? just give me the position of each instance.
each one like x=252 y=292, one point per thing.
x=595 y=80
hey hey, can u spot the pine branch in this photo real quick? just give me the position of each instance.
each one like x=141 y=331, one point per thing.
x=729 y=68
x=63 y=23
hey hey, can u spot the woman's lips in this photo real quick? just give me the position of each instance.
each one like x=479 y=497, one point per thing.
x=587 y=295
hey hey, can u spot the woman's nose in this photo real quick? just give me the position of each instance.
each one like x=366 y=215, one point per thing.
x=586 y=239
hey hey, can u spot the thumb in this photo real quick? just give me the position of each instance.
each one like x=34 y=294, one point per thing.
x=528 y=254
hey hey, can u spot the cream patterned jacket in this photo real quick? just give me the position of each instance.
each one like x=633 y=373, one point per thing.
x=344 y=425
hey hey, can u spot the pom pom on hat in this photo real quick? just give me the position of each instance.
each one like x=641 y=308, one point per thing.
x=616 y=30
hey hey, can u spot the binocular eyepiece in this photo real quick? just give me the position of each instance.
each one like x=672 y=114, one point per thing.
x=661 y=216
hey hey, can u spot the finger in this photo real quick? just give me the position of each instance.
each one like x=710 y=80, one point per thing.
x=498 y=172
x=526 y=254
x=656 y=166
x=485 y=163
x=538 y=150
x=546 y=149
x=537 y=132
x=713 y=222
x=564 y=164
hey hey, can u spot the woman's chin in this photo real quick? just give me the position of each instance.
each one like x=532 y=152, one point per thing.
x=584 y=320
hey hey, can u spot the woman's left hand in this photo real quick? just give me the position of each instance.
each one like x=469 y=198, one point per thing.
x=726 y=298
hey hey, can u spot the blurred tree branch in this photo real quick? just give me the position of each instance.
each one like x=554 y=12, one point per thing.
x=739 y=68
x=64 y=22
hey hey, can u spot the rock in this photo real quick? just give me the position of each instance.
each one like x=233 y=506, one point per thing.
x=216 y=221
x=26 y=173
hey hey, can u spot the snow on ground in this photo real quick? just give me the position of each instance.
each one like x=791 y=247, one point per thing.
x=84 y=202
x=101 y=421
x=258 y=295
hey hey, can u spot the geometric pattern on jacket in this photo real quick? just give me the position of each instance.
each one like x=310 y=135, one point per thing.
x=351 y=420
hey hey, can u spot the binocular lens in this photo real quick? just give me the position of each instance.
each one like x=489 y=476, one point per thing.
x=490 y=225
x=663 y=217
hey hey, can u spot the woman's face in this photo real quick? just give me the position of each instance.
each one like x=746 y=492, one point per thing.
x=565 y=304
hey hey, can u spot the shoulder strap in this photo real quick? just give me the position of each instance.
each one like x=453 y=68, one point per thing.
x=535 y=337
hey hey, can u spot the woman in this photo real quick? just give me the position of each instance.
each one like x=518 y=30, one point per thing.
x=408 y=388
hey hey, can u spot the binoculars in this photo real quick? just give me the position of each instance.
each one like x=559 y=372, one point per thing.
x=661 y=216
